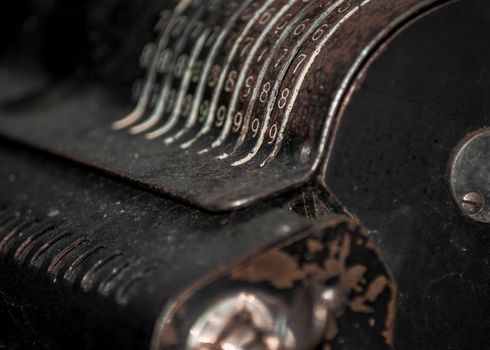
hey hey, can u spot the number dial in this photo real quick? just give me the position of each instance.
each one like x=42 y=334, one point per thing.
x=237 y=101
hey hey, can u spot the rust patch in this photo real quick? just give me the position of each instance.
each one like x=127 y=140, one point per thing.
x=339 y=251
x=314 y=246
x=329 y=258
x=334 y=265
x=278 y=268
x=354 y=226
x=315 y=272
x=358 y=305
x=371 y=245
x=388 y=334
x=374 y=290
x=169 y=336
x=351 y=279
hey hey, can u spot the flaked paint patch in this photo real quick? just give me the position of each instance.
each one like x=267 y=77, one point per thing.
x=169 y=335
x=372 y=293
x=358 y=305
x=314 y=246
x=283 y=270
x=388 y=334
x=376 y=288
x=316 y=273
x=339 y=250
x=352 y=278
x=278 y=268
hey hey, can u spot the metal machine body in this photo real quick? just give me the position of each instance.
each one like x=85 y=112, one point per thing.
x=225 y=206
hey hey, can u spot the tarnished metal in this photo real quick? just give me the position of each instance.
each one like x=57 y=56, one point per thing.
x=237 y=99
x=243 y=321
x=469 y=176
x=472 y=203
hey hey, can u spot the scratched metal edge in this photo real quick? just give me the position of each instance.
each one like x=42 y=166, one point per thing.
x=105 y=171
x=211 y=205
x=229 y=203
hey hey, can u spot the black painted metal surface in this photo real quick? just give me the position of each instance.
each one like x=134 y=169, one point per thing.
x=90 y=261
x=390 y=167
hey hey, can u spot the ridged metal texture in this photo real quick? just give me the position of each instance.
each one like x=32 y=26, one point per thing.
x=92 y=262
x=237 y=100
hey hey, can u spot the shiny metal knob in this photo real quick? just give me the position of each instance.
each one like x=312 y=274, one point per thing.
x=257 y=321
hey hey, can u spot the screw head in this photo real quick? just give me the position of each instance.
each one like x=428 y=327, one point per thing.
x=472 y=202
x=469 y=174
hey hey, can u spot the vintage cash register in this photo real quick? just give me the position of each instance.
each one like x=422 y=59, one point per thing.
x=245 y=174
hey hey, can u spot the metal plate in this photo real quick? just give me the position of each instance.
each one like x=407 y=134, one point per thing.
x=237 y=103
